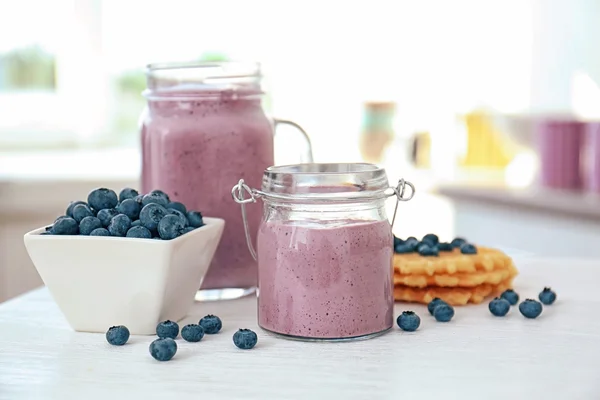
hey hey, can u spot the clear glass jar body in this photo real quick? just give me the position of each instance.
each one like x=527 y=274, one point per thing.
x=325 y=268
x=200 y=132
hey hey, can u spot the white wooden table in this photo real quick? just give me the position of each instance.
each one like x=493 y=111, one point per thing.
x=476 y=356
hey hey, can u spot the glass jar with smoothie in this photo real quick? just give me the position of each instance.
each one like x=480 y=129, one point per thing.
x=204 y=127
x=324 y=250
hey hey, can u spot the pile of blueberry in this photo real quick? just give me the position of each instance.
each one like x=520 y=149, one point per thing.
x=165 y=347
x=409 y=321
x=130 y=214
x=430 y=245
x=530 y=308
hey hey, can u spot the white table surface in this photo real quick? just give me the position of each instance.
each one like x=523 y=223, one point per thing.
x=476 y=356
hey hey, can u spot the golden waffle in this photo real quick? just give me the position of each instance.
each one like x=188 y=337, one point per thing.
x=456 y=296
x=460 y=279
x=451 y=262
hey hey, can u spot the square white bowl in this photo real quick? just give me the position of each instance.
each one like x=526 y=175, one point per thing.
x=100 y=281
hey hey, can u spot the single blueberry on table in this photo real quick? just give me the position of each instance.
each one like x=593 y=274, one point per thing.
x=511 y=296
x=434 y=303
x=88 y=224
x=499 y=307
x=444 y=246
x=192 y=333
x=431 y=239
x=151 y=215
x=211 y=324
x=106 y=215
x=181 y=216
x=408 y=321
x=163 y=349
x=69 y=212
x=530 y=308
x=177 y=206
x=100 y=232
x=102 y=198
x=65 y=226
x=117 y=335
x=468 y=248
x=245 y=339
x=127 y=193
x=195 y=219
x=170 y=227
x=154 y=198
x=547 y=296
x=443 y=312
x=80 y=211
x=167 y=329
x=119 y=225
x=457 y=242
x=426 y=250
x=139 y=232
x=130 y=208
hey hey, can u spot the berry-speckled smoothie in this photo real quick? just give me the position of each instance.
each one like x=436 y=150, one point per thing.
x=194 y=150
x=325 y=281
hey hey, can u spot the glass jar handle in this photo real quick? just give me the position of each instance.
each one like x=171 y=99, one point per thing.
x=237 y=192
x=309 y=155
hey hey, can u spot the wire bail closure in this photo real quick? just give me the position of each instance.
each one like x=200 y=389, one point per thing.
x=238 y=192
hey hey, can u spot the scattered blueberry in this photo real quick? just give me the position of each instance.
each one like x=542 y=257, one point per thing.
x=65 y=226
x=155 y=198
x=511 y=296
x=403 y=248
x=177 y=206
x=139 y=232
x=69 y=212
x=457 y=242
x=88 y=224
x=245 y=339
x=192 y=333
x=80 y=211
x=106 y=215
x=130 y=208
x=117 y=335
x=468 y=248
x=426 y=250
x=119 y=225
x=547 y=296
x=195 y=219
x=100 y=232
x=163 y=349
x=151 y=215
x=530 y=308
x=211 y=324
x=102 y=198
x=167 y=329
x=128 y=193
x=408 y=321
x=170 y=227
x=434 y=303
x=443 y=312
x=499 y=307
x=444 y=246
x=181 y=216
x=431 y=239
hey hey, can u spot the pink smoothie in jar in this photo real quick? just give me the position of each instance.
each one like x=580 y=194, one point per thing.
x=197 y=138
x=326 y=281
x=324 y=250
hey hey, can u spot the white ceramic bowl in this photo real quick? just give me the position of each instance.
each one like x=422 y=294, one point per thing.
x=100 y=281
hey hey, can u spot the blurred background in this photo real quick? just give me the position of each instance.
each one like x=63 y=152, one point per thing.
x=488 y=107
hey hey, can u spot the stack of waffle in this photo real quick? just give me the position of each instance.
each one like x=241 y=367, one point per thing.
x=458 y=274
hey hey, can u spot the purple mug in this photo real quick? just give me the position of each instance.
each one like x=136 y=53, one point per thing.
x=559 y=144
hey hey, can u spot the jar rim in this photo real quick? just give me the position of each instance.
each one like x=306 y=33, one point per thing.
x=325 y=182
